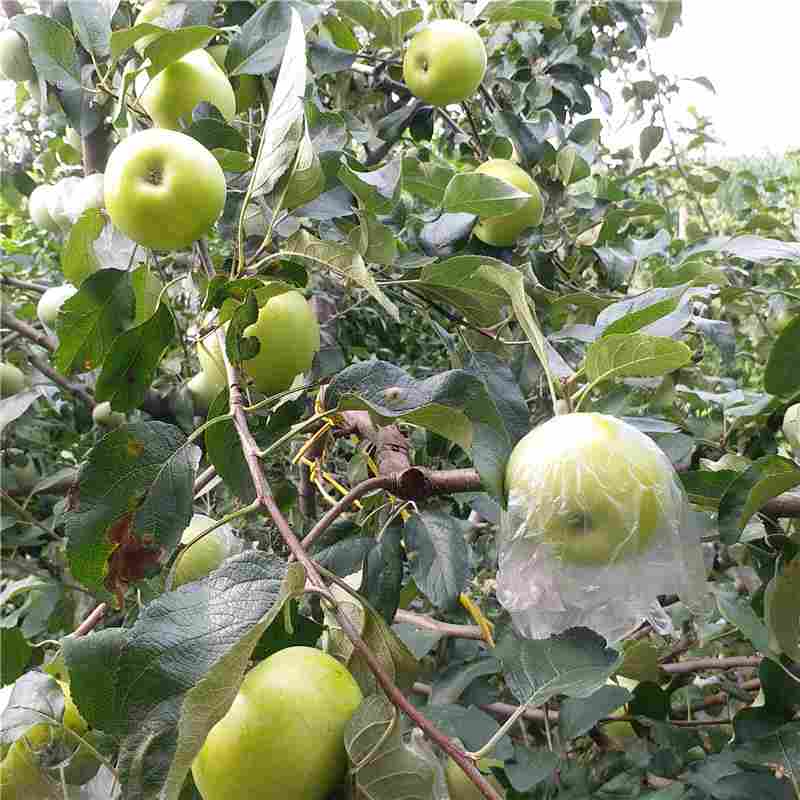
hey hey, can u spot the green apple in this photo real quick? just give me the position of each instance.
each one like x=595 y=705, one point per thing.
x=60 y=202
x=591 y=487
x=151 y=11
x=288 y=334
x=26 y=475
x=90 y=193
x=212 y=362
x=791 y=428
x=445 y=62
x=12 y=379
x=207 y=554
x=203 y=390
x=39 y=208
x=50 y=304
x=247 y=88
x=15 y=58
x=171 y=96
x=103 y=415
x=461 y=787
x=163 y=189
x=283 y=737
x=503 y=231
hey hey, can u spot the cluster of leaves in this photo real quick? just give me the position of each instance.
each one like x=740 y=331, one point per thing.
x=607 y=306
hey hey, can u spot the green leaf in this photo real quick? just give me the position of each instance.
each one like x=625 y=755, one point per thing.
x=641 y=662
x=473 y=726
x=425 y=179
x=376 y=242
x=781 y=610
x=383 y=574
x=437 y=552
x=738 y=611
x=578 y=715
x=257 y=48
x=484 y=195
x=132 y=501
x=224 y=451
x=173 y=45
x=382 y=765
x=451 y=684
x=90 y=320
x=641 y=318
x=540 y=11
x=634 y=355
x=377 y=190
x=92 y=22
x=131 y=364
x=766 y=478
x=341 y=258
x=571 y=166
x=232 y=160
x=649 y=139
x=162 y=684
x=285 y=121
x=125 y=38
x=52 y=50
x=781 y=375
x=530 y=767
x=78 y=259
x=668 y=14
x=575 y=663
x=15 y=653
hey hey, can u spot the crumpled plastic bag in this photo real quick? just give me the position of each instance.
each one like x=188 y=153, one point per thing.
x=597 y=527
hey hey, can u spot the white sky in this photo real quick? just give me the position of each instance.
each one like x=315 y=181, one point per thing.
x=750 y=51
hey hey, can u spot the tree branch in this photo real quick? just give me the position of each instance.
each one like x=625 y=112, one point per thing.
x=27 y=286
x=73 y=388
x=9 y=321
x=265 y=498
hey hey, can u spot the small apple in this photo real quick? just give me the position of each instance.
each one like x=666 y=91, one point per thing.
x=50 y=303
x=461 y=787
x=91 y=193
x=503 y=231
x=39 y=208
x=15 y=58
x=151 y=11
x=60 y=201
x=26 y=474
x=592 y=487
x=207 y=554
x=163 y=189
x=288 y=334
x=212 y=363
x=12 y=379
x=171 y=96
x=791 y=428
x=203 y=390
x=283 y=737
x=103 y=415
x=445 y=63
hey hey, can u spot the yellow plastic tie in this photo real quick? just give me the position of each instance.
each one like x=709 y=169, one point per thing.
x=487 y=629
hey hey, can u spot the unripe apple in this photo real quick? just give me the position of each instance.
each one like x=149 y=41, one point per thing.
x=60 y=200
x=15 y=58
x=208 y=553
x=247 y=88
x=50 y=303
x=445 y=63
x=163 y=189
x=203 y=391
x=461 y=787
x=12 y=379
x=283 y=737
x=288 y=334
x=592 y=488
x=91 y=193
x=103 y=415
x=212 y=362
x=39 y=208
x=791 y=428
x=26 y=475
x=171 y=96
x=503 y=231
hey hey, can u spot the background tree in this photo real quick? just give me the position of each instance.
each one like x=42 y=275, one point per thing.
x=350 y=462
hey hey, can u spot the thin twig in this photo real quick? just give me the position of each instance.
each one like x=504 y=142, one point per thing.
x=27 y=331
x=474 y=127
x=73 y=388
x=91 y=621
x=26 y=286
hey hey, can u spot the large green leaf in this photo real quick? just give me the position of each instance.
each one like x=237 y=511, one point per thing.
x=132 y=502
x=484 y=195
x=634 y=355
x=781 y=375
x=162 y=684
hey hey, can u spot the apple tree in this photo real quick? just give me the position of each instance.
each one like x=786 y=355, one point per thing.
x=371 y=426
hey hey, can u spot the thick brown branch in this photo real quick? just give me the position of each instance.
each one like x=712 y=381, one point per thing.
x=73 y=388
x=26 y=331
x=444 y=628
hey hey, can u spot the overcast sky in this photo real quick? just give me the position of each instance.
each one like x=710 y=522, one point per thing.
x=751 y=53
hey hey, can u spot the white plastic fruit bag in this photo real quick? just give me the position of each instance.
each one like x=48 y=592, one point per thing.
x=597 y=527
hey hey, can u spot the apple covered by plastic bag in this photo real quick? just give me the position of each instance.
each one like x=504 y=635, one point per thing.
x=597 y=526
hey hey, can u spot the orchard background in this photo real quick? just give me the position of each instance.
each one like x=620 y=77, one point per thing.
x=659 y=287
